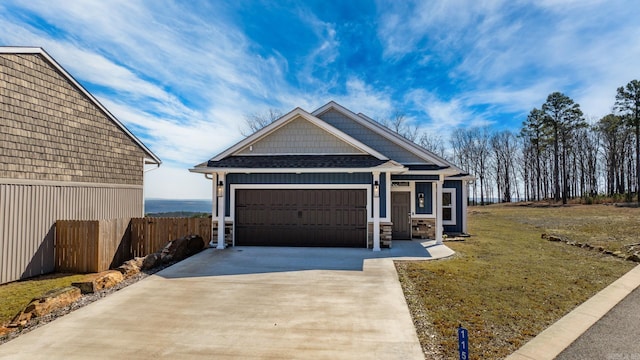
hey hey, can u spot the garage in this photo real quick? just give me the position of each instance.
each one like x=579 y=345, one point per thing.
x=301 y=217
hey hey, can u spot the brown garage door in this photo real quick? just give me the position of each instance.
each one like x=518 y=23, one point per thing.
x=325 y=217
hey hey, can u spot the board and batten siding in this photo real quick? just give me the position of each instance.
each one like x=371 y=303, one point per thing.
x=455 y=184
x=29 y=212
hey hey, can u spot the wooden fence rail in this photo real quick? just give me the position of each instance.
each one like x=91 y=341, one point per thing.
x=94 y=246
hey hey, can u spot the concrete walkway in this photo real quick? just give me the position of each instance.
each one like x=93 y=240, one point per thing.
x=247 y=303
x=603 y=327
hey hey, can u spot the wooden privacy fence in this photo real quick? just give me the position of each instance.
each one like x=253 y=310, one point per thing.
x=98 y=245
x=149 y=235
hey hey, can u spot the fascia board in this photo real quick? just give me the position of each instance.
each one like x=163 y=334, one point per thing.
x=52 y=61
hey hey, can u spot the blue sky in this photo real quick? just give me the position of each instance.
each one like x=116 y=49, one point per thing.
x=182 y=75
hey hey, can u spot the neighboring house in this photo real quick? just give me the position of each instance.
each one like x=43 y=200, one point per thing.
x=332 y=178
x=63 y=156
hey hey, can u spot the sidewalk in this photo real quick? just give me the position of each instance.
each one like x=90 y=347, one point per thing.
x=603 y=327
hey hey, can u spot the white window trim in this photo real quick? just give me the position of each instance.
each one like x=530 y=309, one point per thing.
x=452 y=191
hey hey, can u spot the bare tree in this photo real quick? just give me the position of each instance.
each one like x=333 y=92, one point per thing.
x=399 y=124
x=256 y=121
x=504 y=145
x=433 y=143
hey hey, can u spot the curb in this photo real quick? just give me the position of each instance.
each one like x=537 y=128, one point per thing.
x=557 y=337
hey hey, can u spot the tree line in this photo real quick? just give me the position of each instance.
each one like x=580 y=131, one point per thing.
x=558 y=154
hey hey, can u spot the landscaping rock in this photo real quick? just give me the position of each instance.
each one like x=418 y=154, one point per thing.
x=182 y=248
x=552 y=237
x=131 y=267
x=103 y=280
x=633 y=257
x=151 y=261
x=50 y=301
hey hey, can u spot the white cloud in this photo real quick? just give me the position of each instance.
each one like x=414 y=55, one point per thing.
x=361 y=97
x=168 y=182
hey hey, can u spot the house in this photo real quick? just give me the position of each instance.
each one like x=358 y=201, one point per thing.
x=332 y=178
x=63 y=156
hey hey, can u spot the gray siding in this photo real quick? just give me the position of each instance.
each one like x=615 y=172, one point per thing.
x=457 y=184
x=300 y=137
x=306 y=178
x=52 y=131
x=370 y=138
x=29 y=212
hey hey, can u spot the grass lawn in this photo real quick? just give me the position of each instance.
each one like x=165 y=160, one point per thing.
x=505 y=284
x=16 y=295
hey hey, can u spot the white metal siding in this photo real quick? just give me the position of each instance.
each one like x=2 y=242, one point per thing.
x=28 y=213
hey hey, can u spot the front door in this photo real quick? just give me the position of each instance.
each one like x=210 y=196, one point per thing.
x=400 y=215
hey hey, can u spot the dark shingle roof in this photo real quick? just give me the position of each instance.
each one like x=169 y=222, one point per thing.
x=418 y=167
x=297 y=161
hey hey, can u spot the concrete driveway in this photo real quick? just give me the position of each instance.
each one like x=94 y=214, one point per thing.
x=246 y=303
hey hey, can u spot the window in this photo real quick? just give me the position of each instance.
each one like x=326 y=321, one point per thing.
x=448 y=206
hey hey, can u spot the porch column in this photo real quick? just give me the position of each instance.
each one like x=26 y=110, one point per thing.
x=439 y=227
x=221 y=202
x=465 y=195
x=376 y=211
x=214 y=206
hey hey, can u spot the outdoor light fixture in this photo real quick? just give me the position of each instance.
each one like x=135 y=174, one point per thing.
x=421 y=199
x=220 y=188
x=376 y=189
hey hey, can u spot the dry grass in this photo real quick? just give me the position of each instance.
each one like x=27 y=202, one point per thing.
x=16 y=295
x=505 y=285
x=599 y=225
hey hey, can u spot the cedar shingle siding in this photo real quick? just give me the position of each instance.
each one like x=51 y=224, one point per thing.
x=52 y=131
x=62 y=157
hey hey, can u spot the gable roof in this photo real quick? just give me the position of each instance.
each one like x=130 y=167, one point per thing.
x=285 y=119
x=374 y=126
x=153 y=159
